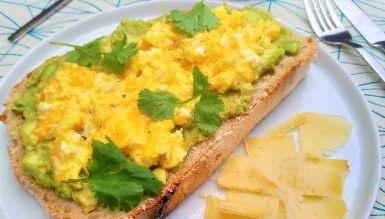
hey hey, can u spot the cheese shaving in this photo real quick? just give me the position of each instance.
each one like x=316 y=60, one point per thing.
x=319 y=133
x=322 y=134
x=322 y=207
x=340 y=165
x=319 y=180
x=251 y=205
x=278 y=154
x=289 y=195
x=289 y=125
x=281 y=181
x=213 y=211
x=238 y=173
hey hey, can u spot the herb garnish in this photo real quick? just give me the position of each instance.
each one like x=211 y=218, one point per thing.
x=117 y=182
x=115 y=60
x=199 y=19
x=89 y=55
x=161 y=105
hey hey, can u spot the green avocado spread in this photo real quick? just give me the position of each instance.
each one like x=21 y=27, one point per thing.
x=37 y=159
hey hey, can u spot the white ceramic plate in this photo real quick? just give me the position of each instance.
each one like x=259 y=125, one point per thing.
x=327 y=89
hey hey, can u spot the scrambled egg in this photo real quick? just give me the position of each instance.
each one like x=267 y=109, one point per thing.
x=80 y=104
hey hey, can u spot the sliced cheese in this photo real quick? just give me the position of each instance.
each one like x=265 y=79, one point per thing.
x=251 y=205
x=213 y=211
x=282 y=210
x=285 y=176
x=289 y=125
x=238 y=173
x=322 y=134
x=340 y=165
x=289 y=195
x=322 y=208
x=319 y=180
x=319 y=133
x=278 y=154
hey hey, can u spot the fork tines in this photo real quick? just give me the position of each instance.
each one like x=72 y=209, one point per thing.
x=324 y=19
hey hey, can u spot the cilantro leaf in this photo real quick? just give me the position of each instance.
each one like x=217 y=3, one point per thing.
x=115 y=191
x=117 y=182
x=207 y=112
x=115 y=60
x=200 y=82
x=88 y=55
x=209 y=106
x=159 y=105
x=105 y=157
x=199 y=19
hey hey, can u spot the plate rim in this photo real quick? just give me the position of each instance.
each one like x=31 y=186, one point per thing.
x=9 y=84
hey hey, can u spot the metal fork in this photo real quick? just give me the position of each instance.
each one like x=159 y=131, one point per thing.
x=329 y=29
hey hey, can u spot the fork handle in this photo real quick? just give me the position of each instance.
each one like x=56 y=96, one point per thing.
x=369 y=58
x=380 y=45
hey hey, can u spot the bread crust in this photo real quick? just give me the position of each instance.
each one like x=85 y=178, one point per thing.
x=201 y=160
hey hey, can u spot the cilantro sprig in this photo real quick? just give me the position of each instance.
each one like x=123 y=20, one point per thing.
x=117 y=182
x=161 y=105
x=115 y=60
x=199 y=19
x=90 y=55
x=158 y=105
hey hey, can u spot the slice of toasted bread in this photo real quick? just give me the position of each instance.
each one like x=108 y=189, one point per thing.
x=201 y=160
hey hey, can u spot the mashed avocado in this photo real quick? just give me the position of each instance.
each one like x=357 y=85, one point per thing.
x=38 y=159
x=283 y=45
x=37 y=162
x=132 y=29
x=285 y=40
x=85 y=197
x=25 y=133
x=255 y=14
x=193 y=135
x=64 y=190
x=26 y=103
x=236 y=100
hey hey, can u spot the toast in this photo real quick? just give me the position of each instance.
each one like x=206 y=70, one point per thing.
x=201 y=160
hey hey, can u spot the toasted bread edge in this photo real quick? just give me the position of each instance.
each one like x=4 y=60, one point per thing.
x=202 y=159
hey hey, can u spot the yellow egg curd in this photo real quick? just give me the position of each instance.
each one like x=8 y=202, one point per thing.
x=81 y=104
